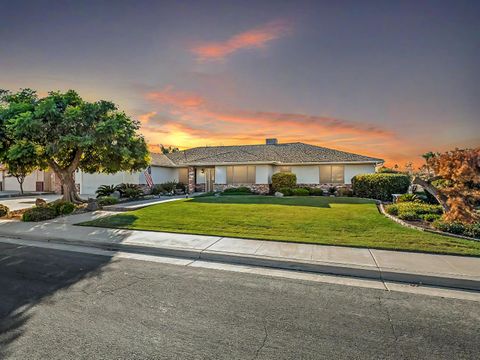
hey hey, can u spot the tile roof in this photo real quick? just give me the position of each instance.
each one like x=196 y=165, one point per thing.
x=289 y=153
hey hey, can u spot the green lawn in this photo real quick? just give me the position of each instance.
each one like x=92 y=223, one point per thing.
x=319 y=220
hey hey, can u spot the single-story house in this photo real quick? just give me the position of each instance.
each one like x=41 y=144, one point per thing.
x=215 y=168
x=37 y=181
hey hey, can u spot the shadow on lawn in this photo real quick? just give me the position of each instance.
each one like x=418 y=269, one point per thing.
x=114 y=221
x=310 y=201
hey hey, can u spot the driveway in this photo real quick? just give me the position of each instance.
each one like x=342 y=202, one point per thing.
x=26 y=202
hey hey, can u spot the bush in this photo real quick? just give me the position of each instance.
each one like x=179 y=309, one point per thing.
x=4 y=210
x=157 y=190
x=169 y=186
x=409 y=215
x=430 y=217
x=286 y=191
x=105 y=190
x=107 y=200
x=315 y=192
x=62 y=207
x=473 y=230
x=425 y=196
x=344 y=192
x=332 y=190
x=133 y=193
x=450 y=227
x=39 y=214
x=380 y=186
x=129 y=190
x=392 y=209
x=239 y=190
x=407 y=198
x=300 y=192
x=283 y=180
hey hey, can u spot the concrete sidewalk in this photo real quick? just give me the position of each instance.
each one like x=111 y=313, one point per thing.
x=428 y=269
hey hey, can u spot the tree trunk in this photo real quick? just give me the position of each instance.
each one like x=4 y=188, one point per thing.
x=442 y=199
x=21 y=180
x=21 y=187
x=68 y=187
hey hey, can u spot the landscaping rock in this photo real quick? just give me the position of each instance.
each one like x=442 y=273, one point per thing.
x=278 y=194
x=40 y=202
x=92 y=205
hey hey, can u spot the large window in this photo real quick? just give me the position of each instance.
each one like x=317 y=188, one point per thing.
x=332 y=174
x=240 y=174
x=183 y=175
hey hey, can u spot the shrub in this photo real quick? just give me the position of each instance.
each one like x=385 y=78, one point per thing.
x=39 y=214
x=380 y=186
x=132 y=189
x=344 y=192
x=283 y=180
x=239 y=190
x=430 y=217
x=315 y=192
x=450 y=227
x=407 y=198
x=181 y=186
x=133 y=193
x=409 y=215
x=62 y=207
x=107 y=200
x=105 y=190
x=473 y=230
x=4 y=210
x=286 y=191
x=392 y=209
x=332 y=190
x=169 y=186
x=157 y=190
x=300 y=192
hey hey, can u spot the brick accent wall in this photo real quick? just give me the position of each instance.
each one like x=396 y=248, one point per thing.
x=191 y=180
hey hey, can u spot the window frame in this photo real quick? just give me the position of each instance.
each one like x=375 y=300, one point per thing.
x=330 y=174
x=251 y=173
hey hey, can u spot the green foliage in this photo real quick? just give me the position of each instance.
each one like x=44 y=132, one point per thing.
x=105 y=190
x=157 y=190
x=286 y=191
x=315 y=191
x=123 y=188
x=242 y=190
x=409 y=215
x=133 y=193
x=414 y=211
x=332 y=190
x=300 y=192
x=344 y=191
x=169 y=186
x=458 y=228
x=283 y=180
x=4 y=210
x=409 y=198
x=380 y=186
x=42 y=213
x=181 y=186
x=386 y=170
x=67 y=133
x=107 y=200
x=62 y=207
x=430 y=217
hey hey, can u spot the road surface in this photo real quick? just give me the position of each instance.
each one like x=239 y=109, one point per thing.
x=65 y=305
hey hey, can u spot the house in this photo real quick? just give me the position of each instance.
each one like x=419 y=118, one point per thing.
x=215 y=168
x=37 y=181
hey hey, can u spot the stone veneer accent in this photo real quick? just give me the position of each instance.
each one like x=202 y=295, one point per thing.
x=325 y=186
x=191 y=179
x=262 y=189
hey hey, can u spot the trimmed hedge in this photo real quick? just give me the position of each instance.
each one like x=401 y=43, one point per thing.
x=315 y=192
x=62 y=207
x=41 y=213
x=4 y=210
x=414 y=210
x=300 y=192
x=107 y=200
x=283 y=180
x=471 y=230
x=380 y=186
x=242 y=190
x=286 y=191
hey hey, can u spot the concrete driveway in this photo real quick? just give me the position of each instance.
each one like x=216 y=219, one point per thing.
x=26 y=202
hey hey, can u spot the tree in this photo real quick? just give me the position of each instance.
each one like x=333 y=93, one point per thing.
x=168 y=150
x=455 y=183
x=69 y=133
x=21 y=160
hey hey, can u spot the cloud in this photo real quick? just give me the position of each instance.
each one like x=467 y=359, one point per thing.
x=255 y=38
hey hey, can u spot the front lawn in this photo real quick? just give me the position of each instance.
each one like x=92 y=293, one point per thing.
x=318 y=220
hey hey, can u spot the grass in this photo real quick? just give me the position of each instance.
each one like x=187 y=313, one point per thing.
x=317 y=220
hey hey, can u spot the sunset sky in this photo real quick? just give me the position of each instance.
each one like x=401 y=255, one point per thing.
x=391 y=79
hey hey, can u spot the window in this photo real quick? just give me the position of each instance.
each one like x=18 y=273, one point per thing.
x=183 y=175
x=332 y=174
x=240 y=174
x=285 y=169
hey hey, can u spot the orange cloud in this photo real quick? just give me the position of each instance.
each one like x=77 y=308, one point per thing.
x=251 y=39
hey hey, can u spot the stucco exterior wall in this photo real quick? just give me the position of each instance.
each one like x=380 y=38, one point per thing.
x=10 y=183
x=263 y=174
x=89 y=183
x=352 y=170
x=160 y=175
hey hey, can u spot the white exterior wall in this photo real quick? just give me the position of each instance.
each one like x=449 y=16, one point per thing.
x=307 y=174
x=10 y=183
x=89 y=183
x=263 y=174
x=352 y=170
x=220 y=175
x=161 y=175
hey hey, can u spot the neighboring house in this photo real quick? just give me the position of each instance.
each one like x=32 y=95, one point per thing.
x=37 y=181
x=215 y=168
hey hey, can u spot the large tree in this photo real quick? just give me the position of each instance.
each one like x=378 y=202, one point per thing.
x=453 y=178
x=69 y=133
x=21 y=159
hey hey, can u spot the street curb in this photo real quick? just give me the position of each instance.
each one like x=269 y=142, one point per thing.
x=261 y=261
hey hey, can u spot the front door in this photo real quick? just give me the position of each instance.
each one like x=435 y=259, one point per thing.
x=209 y=179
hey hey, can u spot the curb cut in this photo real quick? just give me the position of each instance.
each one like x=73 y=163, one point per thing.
x=298 y=265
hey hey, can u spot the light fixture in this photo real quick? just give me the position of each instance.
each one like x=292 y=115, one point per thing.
x=202 y=171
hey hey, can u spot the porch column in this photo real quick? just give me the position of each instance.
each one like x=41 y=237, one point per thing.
x=191 y=179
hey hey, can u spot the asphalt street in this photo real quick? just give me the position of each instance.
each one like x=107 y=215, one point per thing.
x=65 y=305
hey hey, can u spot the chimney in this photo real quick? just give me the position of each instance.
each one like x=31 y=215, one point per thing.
x=271 y=141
